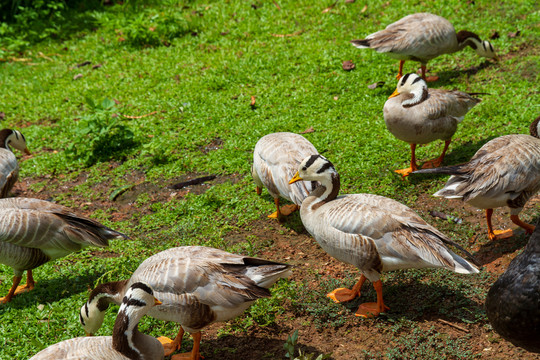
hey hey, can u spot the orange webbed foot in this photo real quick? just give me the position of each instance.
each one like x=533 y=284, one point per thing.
x=370 y=310
x=405 y=172
x=169 y=345
x=24 y=288
x=435 y=163
x=432 y=78
x=500 y=234
x=343 y=295
x=287 y=210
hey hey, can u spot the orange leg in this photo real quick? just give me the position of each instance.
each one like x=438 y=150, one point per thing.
x=414 y=167
x=16 y=289
x=528 y=227
x=170 y=346
x=429 y=78
x=369 y=310
x=285 y=210
x=342 y=294
x=194 y=354
x=438 y=161
x=258 y=190
x=400 y=73
x=496 y=234
x=277 y=214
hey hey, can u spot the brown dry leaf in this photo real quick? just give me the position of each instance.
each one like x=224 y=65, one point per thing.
x=78 y=76
x=277 y=5
x=376 y=85
x=348 y=65
x=364 y=9
x=84 y=63
x=40 y=54
x=308 y=130
x=349 y=1
x=514 y=34
x=494 y=35
x=20 y=59
x=97 y=66
x=252 y=101
x=116 y=101
x=330 y=7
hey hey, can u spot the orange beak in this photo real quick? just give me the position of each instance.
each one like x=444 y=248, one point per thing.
x=157 y=302
x=395 y=93
x=295 y=178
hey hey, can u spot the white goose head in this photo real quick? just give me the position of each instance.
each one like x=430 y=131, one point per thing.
x=482 y=48
x=413 y=88
x=318 y=168
x=13 y=138
x=93 y=311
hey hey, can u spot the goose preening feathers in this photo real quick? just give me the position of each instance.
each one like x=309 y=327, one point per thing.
x=504 y=172
x=197 y=285
x=371 y=232
x=422 y=37
x=275 y=160
x=513 y=302
x=33 y=232
x=418 y=115
x=9 y=167
x=126 y=341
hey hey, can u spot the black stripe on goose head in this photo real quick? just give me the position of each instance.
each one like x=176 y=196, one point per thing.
x=404 y=79
x=327 y=165
x=533 y=129
x=310 y=162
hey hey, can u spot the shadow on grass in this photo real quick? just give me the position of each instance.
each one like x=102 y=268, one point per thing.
x=51 y=290
x=446 y=77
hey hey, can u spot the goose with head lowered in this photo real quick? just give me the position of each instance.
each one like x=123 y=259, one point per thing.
x=198 y=286
x=33 y=232
x=421 y=37
x=9 y=167
x=126 y=341
x=371 y=232
x=418 y=115
x=505 y=171
x=275 y=160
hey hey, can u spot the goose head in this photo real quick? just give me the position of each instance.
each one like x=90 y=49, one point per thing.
x=534 y=129
x=92 y=313
x=138 y=300
x=13 y=138
x=315 y=168
x=485 y=49
x=413 y=88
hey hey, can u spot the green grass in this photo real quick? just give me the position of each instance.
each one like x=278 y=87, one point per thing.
x=197 y=70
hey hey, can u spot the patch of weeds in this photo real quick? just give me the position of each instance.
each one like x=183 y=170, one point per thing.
x=290 y=347
x=100 y=136
x=429 y=344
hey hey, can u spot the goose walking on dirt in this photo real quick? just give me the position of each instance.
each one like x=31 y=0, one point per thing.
x=33 y=232
x=504 y=172
x=197 y=285
x=9 y=167
x=126 y=341
x=418 y=115
x=275 y=160
x=422 y=37
x=371 y=232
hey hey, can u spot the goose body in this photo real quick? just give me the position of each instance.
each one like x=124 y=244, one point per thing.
x=125 y=343
x=9 y=167
x=418 y=115
x=421 y=37
x=371 y=232
x=504 y=172
x=513 y=302
x=197 y=285
x=33 y=232
x=275 y=160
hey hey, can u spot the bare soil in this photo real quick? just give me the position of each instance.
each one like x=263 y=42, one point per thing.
x=354 y=339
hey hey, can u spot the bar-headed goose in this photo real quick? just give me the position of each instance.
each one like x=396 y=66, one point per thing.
x=371 y=232
x=422 y=37
x=126 y=341
x=513 y=304
x=9 y=167
x=275 y=159
x=197 y=285
x=504 y=172
x=33 y=232
x=418 y=115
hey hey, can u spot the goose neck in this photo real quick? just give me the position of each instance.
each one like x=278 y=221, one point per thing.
x=126 y=332
x=327 y=191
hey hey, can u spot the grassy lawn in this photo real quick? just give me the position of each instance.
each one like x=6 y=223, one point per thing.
x=166 y=95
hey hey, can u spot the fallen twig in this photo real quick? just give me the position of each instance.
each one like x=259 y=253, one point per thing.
x=454 y=325
x=288 y=35
x=196 y=181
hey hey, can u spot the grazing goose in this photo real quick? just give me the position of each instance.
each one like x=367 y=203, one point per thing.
x=418 y=115
x=197 y=285
x=9 y=168
x=33 y=232
x=513 y=302
x=422 y=37
x=504 y=172
x=275 y=159
x=126 y=341
x=371 y=232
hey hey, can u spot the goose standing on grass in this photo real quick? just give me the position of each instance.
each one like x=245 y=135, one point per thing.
x=197 y=285
x=422 y=37
x=9 y=167
x=126 y=341
x=275 y=159
x=513 y=302
x=33 y=232
x=504 y=172
x=371 y=232
x=418 y=115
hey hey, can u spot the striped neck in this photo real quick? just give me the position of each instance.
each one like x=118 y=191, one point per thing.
x=4 y=138
x=468 y=38
x=534 y=128
x=126 y=330
x=327 y=191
